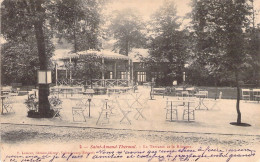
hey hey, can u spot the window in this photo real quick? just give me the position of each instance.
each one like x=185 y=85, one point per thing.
x=123 y=75
x=110 y=75
x=157 y=74
x=141 y=76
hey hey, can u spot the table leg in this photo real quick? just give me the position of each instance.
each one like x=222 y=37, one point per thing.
x=188 y=111
x=89 y=109
x=2 y=112
x=171 y=110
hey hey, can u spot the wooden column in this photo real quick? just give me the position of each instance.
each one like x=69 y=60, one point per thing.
x=70 y=70
x=103 y=76
x=56 y=73
x=128 y=72
x=115 y=71
x=103 y=64
x=132 y=71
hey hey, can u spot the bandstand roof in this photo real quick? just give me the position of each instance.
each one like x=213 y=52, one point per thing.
x=99 y=54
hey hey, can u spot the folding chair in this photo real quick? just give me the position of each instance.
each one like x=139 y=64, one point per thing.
x=140 y=108
x=136 y=97
x=256 y=95
x=56 y=106
x=117 y=100
x=8 y=104
x=79 y=109
x=171 y=110
x=216 y=101
x=104 y=114
x=202 y=95
x=189 y=111
x=246 y=94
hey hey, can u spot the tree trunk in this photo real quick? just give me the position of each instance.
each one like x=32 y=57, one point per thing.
x=44 y=106
x=238 y=99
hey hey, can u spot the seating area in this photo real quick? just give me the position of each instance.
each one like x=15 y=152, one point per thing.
x=132 y=110
x=124 y=105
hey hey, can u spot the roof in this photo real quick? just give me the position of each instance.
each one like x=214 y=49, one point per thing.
x=60 y=53
x=138 y=53
x=100 y=54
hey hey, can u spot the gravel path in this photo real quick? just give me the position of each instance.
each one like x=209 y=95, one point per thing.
x=25 y=140
x=11 y=133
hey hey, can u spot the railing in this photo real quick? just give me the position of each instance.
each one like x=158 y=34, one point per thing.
x=96 y=82
x=111 y=82
x=69 y=82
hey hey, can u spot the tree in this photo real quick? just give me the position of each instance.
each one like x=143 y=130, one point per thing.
x=88 y=68
x=169 y=42
x=22 y=19
x=19 y=62
x=127 y=28
x=223 y=24
x=78 y=22
x=19 y=19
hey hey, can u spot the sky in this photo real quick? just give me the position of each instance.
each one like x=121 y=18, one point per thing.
x=147 y=7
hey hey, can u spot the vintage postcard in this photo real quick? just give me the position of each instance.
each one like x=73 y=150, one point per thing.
x=130 y=80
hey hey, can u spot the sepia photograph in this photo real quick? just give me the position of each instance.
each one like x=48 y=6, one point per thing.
x=130 y=80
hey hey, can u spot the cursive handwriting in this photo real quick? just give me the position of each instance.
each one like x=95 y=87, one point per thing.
x=158 y=154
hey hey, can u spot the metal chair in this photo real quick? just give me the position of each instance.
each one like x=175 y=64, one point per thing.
x=171 y=110
x=56 y=106
x=246 y=94
x=8 y=104
x=189 y=111
x=79 y=109
x=104 y=114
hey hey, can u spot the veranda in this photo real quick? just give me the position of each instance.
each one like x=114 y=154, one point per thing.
x=118 y=72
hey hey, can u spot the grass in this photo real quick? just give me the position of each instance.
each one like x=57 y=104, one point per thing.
x=227 y=92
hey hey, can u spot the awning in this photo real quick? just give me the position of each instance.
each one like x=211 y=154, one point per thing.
x=99 y=54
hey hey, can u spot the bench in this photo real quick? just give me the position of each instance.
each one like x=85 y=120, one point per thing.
x=158 y=91
x=16 y=84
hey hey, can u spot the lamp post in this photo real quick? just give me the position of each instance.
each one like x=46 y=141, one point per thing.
x=44 y=79
x=89 y=93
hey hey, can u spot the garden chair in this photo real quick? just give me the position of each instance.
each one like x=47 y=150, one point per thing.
x=171 y=110
x=140 y=108
x=216 y=102
x=246 y=94
x=202 y=95
x=105 y=113
x=56 y=106
x=189 y=111
x=79 y=109
x=256 y=95
x=8 y=104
